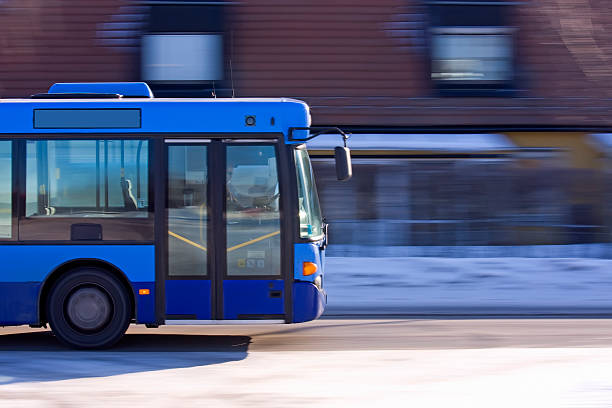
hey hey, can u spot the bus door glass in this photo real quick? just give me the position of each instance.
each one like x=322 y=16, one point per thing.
x=252 y=285
x=188 y=289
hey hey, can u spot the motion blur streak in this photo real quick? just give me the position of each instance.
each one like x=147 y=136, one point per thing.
x=399 y=202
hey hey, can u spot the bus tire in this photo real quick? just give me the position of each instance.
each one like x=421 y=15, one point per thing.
x=88 y=308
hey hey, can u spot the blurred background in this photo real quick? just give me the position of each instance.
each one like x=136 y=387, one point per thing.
x=481 y=129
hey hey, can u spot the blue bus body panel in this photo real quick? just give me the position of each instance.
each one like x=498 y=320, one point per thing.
x=252 y=297
x=25 y=268
x=188 y=297
x=310 y=252
x=33 y=263
x=169 y=115
x=308 y=302
x=18 y=303
x=145 y=304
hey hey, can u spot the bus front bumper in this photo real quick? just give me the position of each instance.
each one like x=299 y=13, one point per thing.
x=308 y=302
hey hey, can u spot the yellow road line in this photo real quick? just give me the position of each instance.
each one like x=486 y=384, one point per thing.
x=253 y=241
x=195 y=244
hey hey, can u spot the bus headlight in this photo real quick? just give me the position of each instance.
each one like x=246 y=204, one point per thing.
x=318 y=282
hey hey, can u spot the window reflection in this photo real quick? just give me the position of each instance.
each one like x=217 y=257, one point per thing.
x=187 y=212
x=311 y=221
x=252 y=211
x=87 y=178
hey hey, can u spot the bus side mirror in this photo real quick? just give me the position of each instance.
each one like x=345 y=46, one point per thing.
x=344 y=169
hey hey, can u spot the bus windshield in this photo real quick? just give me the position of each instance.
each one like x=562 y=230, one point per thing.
x=311 y=222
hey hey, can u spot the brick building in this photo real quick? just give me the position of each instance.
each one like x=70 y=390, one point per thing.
x=358 y=63
x=536 y=72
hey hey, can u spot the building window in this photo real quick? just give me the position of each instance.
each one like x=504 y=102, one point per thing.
x=472 y=50
x=182 y=57
x=183 y=49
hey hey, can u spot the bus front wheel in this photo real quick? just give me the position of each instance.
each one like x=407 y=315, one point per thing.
x=88 y=308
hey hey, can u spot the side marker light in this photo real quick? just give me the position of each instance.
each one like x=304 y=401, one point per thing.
x=144 y=292
x=309 y=268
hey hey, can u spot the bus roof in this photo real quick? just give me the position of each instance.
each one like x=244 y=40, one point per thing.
x=258 y=116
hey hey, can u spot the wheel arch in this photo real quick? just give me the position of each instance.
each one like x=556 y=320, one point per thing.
x=60 y=270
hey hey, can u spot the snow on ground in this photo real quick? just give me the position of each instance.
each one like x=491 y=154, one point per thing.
x=496 y=285
x=498 y=377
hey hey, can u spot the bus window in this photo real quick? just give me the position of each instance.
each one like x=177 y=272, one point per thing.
x=187 y=211
x=87 y=178
x=252 y=211
x=311 y=221
x=5 y=189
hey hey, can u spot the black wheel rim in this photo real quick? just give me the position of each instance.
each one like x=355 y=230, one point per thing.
x=88 y=309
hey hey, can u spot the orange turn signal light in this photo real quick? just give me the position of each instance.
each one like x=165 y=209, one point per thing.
x=144 y=292
x=309 y=268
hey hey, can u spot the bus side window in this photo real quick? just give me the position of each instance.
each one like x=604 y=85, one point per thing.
x=87 y=178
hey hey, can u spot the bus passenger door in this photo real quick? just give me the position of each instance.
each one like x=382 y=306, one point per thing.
x=188 y=280
x=252 y=285
x=224 y=232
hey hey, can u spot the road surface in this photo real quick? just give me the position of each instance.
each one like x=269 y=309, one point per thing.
x=331 y=362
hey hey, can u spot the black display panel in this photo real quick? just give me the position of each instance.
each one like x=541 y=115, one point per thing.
x=87 y=119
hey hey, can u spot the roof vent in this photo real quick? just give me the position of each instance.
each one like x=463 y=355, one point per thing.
x=125 y=89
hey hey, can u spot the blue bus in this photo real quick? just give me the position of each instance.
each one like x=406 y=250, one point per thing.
x=117 y=207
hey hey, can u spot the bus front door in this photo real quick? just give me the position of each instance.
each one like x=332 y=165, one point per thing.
x=252 y=283
x=224 y=232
